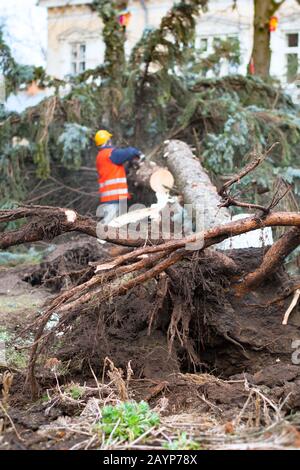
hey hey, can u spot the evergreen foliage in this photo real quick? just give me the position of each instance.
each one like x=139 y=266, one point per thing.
x=160 y=91
x=114 y=38
x=75 y=140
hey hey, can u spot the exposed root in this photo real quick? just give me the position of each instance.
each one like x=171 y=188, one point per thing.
x=291 y=307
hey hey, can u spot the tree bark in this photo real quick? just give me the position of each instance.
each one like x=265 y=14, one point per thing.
x=195 y=185
x=48 y=223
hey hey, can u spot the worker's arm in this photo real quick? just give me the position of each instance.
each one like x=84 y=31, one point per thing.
x=120 y=156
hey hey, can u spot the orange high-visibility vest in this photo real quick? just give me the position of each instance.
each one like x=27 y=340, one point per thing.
x=112 y=178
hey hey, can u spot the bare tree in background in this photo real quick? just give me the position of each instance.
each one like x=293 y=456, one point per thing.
x=261 y=55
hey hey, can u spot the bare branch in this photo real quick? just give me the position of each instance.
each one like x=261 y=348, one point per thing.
x=229 y=200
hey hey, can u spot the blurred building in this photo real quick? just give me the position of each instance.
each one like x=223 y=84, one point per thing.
x=228 y=20
x=74 y=32
x=75 y=43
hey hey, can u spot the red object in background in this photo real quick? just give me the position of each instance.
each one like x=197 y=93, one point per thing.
x=124 y=19
x=252 y=67
x=273 y=24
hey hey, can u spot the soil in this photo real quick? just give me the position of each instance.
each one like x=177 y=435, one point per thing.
x=223 y=346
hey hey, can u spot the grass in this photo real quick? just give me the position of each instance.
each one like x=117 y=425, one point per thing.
x=182 y=443
x=75 y=391
x=13 y=358
x=4 y=334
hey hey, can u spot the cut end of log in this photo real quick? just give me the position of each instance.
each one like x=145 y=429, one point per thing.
x=162 y=181
x=70 y=215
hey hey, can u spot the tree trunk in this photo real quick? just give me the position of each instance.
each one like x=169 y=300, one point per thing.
x=261 y=55
x=195 y=185
x=114 y=37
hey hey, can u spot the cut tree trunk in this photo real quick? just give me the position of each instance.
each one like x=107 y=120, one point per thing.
x=195 y=185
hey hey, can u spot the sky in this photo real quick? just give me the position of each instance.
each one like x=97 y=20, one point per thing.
x=25 y=26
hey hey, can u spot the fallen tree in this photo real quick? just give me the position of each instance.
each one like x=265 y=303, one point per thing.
x=194 y=184
x=151 y=260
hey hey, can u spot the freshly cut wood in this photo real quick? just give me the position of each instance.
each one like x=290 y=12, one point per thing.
x=162 y=181
x=135 y=216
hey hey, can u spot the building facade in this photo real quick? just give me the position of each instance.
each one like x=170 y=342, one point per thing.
x=223 y=21
x=75 y=43
x=74 y=32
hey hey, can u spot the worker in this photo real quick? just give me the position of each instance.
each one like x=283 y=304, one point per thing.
x=113 y=187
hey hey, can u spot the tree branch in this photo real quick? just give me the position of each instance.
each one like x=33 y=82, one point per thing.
x=229 y=200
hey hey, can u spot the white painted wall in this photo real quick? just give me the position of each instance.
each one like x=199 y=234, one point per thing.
x=289 y=22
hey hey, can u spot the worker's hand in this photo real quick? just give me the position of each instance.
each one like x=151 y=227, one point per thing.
x=139 y=158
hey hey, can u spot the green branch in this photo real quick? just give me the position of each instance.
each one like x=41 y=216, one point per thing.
x=114 y=37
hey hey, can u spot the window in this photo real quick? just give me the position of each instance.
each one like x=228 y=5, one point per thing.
x=292 y=67
x=292 y=56
x=216 y=42
x=208 y=45
x=293 y=40
x=203 y=44
x=78 y=58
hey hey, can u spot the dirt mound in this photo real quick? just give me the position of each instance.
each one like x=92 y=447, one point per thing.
x=67 y=264
x=246 y=334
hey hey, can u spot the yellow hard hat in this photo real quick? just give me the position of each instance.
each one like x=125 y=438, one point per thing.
x=102 y=137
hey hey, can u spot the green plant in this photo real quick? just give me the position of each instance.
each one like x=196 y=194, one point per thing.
x=75 y=391
x=127 y=421
x=45 y=398
x=17 y=257
x=15 y=74
x=182 y=443
x=74 y=140
x=17 y=359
